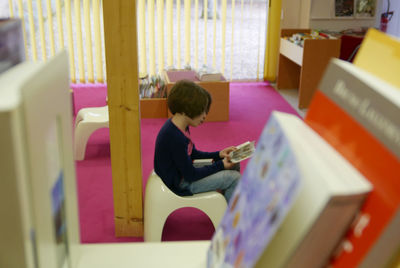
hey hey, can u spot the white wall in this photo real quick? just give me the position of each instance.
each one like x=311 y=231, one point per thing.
x=290 y=14
x=295 y=14
x=319 y=14
x=394 y=24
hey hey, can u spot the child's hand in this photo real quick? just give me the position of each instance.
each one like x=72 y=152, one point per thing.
x=227 y=163
x=225 y=152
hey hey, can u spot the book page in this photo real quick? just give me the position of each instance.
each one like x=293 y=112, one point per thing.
x=243 y=151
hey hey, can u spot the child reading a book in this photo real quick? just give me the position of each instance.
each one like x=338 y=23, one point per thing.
x=175 y=151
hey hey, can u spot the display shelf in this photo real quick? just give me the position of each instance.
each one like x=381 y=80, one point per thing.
x=302 y=67
x=291 y=51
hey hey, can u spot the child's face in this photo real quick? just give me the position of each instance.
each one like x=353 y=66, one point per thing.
x=197 y=120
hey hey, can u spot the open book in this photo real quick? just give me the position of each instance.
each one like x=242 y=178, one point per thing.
x=242 y=152
x=294 y=203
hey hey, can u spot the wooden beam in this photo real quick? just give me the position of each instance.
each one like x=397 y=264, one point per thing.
x=272 y=41
x=123 y=101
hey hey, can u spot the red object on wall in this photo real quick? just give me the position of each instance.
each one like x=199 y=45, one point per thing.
x=384 y=23
x=385 y=18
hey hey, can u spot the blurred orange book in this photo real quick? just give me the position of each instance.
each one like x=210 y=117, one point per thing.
x=358 y=114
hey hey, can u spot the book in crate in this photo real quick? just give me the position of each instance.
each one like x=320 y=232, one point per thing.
x=282 y=210
x=206 y=73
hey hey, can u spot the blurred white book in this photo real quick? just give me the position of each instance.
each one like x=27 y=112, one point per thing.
x=38 y=203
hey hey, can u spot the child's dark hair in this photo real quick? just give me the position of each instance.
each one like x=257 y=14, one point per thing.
x=188 y=98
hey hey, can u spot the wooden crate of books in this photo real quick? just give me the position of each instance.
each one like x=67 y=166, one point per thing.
x=153 y=103
x=219 y=91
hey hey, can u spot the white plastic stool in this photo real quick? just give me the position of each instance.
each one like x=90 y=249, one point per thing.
x=160 y=202
x=87 y=121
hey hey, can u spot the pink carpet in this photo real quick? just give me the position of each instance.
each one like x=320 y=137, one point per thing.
x=250 y=107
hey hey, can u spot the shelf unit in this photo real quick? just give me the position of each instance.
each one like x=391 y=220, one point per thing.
x=302 y=67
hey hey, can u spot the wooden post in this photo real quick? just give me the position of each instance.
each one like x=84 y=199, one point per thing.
x=272 y=41
x=124 y=114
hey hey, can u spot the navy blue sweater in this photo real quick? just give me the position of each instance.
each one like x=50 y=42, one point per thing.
x=172 y=162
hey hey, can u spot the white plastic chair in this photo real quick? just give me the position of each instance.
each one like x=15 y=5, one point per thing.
x=87 y=121
x=160 y=202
